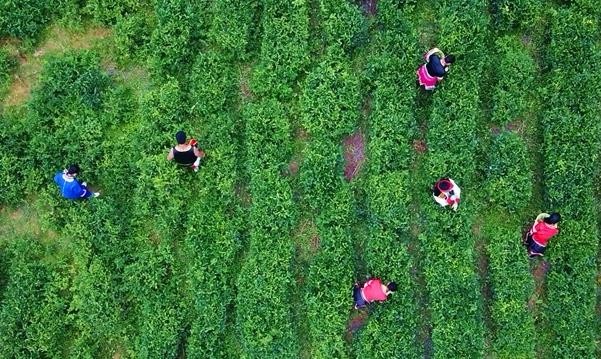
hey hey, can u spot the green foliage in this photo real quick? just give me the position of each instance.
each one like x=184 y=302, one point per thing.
x=511 y=286
x=510 y=14
x=571 y=150
x=133 y=34
x=7 y=64
x=284 y=48
x=13 y=139
x=329 y=105
x=329 y=281
x=177 y=35
x=509 y=173
x=63 y=120
x=515 y=75
x=110 y=12
x=342 y=23
x=34 y=320
x=232 y=26
x=391 y=328
x=265 y=282
x=25 y=19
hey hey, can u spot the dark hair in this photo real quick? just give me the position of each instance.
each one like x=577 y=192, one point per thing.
x=553 y=218
x=444 y=184
x=391 y=286
x=73 y=169
x=449 y=59
x=180 y=137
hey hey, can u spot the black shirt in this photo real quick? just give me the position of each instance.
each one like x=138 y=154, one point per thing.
x=184 y=158
x=435 y=67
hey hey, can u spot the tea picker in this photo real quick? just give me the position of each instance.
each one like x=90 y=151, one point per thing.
x=543 y=229
x=372 y=291
x=435 y=68
x=70 y=187
x=446 y=193
x=186 y=153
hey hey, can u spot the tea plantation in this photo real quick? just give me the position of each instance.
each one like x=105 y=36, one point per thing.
x=320 y=154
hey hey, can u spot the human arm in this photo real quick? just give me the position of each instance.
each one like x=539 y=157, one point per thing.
x=170 y=155
x=198 y=153
x=433 y=51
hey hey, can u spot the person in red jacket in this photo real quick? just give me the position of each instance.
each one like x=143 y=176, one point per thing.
x=372 y=291
x=544 y=227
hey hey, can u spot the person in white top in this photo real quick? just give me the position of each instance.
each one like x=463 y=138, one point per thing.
x=446 y=193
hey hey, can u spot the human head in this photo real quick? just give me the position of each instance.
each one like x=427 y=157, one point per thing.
x=554 y=218
x=73 y=169
x=449 y=59
x=391 y=286
x=444 y=185
x=180 y=137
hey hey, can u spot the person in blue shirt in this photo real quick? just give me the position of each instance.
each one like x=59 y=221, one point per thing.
x=70 y=187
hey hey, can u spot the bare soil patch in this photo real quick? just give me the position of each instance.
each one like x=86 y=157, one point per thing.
x=517 y=126
x=539 y=272
x=356 y=321
x=354 y=154
x=245 y=91
x=293 y=167
x=420 y=146
x=306 y=239
x=243 y=195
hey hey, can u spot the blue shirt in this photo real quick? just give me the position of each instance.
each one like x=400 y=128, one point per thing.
x=435 y=67
x=69 y=189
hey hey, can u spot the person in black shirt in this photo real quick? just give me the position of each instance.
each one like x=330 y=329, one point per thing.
x=186 y=154
x=435 y=68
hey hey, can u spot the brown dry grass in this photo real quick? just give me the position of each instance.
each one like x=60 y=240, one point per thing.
x=58 y=40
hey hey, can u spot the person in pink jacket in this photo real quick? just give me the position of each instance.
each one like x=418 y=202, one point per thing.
x=435 y=69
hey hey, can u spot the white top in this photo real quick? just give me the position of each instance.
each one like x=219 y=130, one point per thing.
x=454 y=198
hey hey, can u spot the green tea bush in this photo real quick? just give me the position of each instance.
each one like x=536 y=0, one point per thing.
x=63 y=120
x=265 y=283
x=507 y=15
x=133 y=34
x=515 y=76
x=284 y=47
x=511 y=286
x=448 y=244
x=571 y=151
x=342 y=23
x=232 y=26
x=214 y=224
x=35 y=303
x=177 y=36
x=13 y=173
x=509 y=173
x=330 y=277
x=7 y=64
x=25 y=19
x=392 y=326
x=329 y=105
x=111 y=12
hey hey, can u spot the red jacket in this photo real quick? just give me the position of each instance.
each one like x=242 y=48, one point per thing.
x=541 y=233
x=372 y=291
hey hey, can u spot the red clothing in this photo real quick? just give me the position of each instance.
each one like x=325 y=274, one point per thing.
x=541 y=233
x=372 y=290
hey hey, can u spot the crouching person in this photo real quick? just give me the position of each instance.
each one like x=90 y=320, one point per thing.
x=70 y=187
x=544 y=227
x=186 y=153
x=372 y=291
